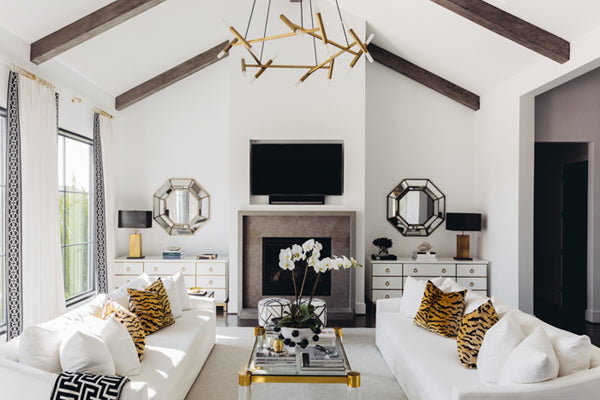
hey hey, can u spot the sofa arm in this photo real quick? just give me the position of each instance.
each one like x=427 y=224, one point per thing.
x=203 y=303
x=389 y=305
x=19 y=381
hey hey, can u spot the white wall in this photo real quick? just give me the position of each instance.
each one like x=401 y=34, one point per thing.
x=415 y=132
x=272 y=109
x=505 y=151
x=179 y=132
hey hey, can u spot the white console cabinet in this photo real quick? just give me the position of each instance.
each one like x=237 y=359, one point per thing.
x=385 y=279
x=211 y=275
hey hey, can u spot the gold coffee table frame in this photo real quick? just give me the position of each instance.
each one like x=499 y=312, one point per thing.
x=247 y=378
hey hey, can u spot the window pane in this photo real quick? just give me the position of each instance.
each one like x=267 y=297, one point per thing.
x=77 y=269
x=77 y=214
x=77 y=174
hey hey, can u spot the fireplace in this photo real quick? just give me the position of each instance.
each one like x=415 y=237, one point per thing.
x=278 y=282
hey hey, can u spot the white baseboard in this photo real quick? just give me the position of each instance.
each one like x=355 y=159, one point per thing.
x=360 y=308
x=592 y=316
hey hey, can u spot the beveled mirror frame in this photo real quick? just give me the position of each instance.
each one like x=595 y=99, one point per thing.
x=433 y=221
x=161 y=214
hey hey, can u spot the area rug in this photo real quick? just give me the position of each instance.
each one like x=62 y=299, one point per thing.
x=219 y=376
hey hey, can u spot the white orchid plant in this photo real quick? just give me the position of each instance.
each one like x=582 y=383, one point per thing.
x=309 y=254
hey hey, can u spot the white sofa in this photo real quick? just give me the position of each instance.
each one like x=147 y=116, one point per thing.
x=173 y=358
x=427 y=366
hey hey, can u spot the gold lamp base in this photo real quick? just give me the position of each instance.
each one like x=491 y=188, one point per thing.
x=135 y=245
x=462 y=248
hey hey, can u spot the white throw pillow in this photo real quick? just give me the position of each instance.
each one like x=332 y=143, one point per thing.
x=533 y=360
x=413 y=294
x=120 y=295
x=184 y=298
x=498 y=343
x=574 y=352
x=119 y=343
x=173 y=295
x=86 y=353
x=39 y=348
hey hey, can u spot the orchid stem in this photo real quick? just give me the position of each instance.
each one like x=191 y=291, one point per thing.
x=295 y=290
x=314 y=289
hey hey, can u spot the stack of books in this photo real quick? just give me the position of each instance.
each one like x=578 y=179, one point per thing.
x=266 y=357
x=322 y=358
x=172 y=255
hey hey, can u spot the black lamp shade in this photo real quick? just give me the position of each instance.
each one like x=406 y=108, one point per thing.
x=135 y=219
x=463 y=221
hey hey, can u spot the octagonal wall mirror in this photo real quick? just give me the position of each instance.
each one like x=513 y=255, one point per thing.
x=181 y=206
x=416 y=207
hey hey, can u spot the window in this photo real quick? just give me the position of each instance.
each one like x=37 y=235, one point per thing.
x=75 y=187
x=3 y=126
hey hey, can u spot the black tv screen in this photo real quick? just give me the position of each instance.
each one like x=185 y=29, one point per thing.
x=296 y=169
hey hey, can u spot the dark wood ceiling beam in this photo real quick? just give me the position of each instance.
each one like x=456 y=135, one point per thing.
x=87 y=27
x=424 y=77
x=169 y=77
x=511 y=27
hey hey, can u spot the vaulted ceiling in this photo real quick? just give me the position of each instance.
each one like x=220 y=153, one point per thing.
x=420 y=31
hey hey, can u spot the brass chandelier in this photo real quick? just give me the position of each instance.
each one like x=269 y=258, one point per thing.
x=356 y=48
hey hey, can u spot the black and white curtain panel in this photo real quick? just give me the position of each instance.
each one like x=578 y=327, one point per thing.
x=104 y=213
x=35 y=284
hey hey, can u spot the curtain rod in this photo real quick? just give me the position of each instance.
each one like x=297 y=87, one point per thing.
x=32 y=76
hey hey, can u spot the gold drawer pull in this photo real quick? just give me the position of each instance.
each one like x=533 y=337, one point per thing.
x=415 y=270
x=182 y=269
x=155 y=269
x=128 y=269
x=387 y=296
x=387 y=283
x=128 y=281
x=211 y=269
x=471 y=284
x=443 y=270
x=471 y=271
x=210 y=282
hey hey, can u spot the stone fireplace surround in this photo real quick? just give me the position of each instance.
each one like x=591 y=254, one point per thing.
x=254 y=225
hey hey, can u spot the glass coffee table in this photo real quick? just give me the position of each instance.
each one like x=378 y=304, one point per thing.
x=293 y=365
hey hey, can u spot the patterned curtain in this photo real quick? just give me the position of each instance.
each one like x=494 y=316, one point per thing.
x=99 y=211
x=14 y=278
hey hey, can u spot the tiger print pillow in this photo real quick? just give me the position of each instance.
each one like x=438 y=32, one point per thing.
x=112 y=309
x=473 y=327
x=151 y=306
x=441 y=312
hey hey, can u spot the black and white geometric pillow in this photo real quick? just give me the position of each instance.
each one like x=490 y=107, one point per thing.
x=77 y=386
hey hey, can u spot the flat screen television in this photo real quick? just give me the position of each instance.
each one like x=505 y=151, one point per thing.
x=297 y=169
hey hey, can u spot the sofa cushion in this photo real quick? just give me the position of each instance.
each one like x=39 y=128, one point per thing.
x=39 y=348
x=533 y=360
x=413 y=294
x=174 y=298
x=121 y=296
x=473 y=327
x=119 y=342
x=499 y=341
x=573 y=352
x=149 y=306
x=184 y=299
x=112 y=309
x=440 y=312
x=85 y=352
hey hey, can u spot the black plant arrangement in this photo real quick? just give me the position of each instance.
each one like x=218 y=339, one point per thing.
x=383 y=244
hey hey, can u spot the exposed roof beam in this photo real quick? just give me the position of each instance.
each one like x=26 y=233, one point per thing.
x=511 y=27
x=169 y=77
x=424 y=77
x=87 y=27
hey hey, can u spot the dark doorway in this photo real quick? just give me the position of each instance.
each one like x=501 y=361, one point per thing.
x=560 y=234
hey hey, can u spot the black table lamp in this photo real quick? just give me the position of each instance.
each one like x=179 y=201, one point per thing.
x=463 y=222
x=136 y=220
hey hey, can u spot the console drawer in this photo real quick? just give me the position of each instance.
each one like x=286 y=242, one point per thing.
x=129 y=268
x=429 y=269
x=210 y=282
x=387 y=269
x=385 y=282
x=169 y=268
x=471 y=270
x=473 y=283
x=210 y=269
x=386 y=294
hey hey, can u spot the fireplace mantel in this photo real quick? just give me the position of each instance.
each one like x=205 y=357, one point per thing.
x=254 y=225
